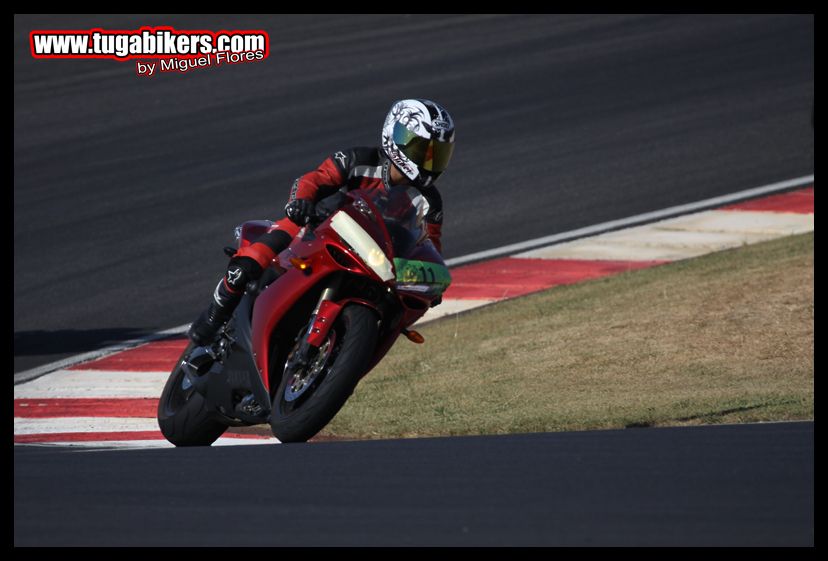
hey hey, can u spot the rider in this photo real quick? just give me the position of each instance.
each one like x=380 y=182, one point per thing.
x=417 y=143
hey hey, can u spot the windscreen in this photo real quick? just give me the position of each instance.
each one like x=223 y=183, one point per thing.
x=418 y=265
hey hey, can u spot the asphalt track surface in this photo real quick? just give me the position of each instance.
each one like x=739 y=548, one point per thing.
x=127 y=188
x=749 y=485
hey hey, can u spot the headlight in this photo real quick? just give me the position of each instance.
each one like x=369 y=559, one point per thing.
x=363 y=244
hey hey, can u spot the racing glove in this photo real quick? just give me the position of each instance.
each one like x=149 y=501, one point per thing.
x=300 y=211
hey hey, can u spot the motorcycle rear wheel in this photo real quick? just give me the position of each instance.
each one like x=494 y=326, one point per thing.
x=183 y=415
x=354 y=339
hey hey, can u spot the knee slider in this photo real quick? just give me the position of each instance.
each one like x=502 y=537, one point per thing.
x=240 y=271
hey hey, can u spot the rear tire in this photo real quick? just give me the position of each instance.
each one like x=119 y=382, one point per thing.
x=183 y=415
x=355 y=333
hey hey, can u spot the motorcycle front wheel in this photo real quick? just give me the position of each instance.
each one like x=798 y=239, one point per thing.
x=307 y=400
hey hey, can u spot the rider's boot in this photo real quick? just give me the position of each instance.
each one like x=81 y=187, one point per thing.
x=226 y=297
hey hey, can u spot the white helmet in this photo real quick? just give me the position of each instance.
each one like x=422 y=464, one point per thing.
x=418 y=138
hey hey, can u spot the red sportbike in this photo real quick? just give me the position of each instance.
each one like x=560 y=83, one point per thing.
x=317 y=321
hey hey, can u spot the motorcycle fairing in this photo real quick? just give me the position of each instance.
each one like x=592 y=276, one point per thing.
x=238 y=376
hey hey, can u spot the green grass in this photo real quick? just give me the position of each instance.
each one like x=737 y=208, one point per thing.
x=728 y=337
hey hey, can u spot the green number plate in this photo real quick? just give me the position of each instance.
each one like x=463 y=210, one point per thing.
x=436 y=276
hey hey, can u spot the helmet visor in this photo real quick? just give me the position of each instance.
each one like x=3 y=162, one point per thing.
x=428 y=154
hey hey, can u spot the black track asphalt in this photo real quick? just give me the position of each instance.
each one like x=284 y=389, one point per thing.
x=127 y=188
x=750 y=485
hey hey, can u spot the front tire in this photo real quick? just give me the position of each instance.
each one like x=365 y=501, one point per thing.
x=354 y=339
x=183 y=415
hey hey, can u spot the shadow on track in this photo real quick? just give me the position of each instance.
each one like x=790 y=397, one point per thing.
x=73 y=341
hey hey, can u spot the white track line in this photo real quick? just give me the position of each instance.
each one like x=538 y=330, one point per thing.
x=98 y=384
x=51 y=425
x=536 y=243
x=104 y=445
x=684 y=237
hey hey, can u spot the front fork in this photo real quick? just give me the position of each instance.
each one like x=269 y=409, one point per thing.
x=323 y=317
